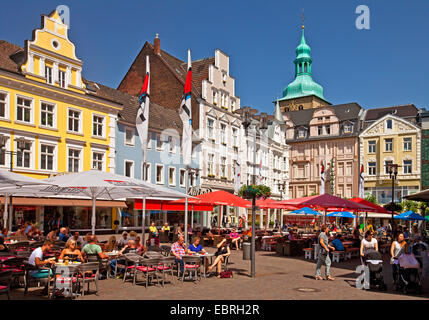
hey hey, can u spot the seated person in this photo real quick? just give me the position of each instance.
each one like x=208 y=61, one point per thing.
x=133 y=235
x=222 y=252
x=140 y=246
x=291 y=235
x=165 y=228
x=338 y=245
x=78 y=239
x=71 y=252
x=4 y=233
x=92 y=248
x=196 y=246
x=153 y=230
x=235 y=238
x=52 y=235
x=63 y=236
x=124 y=239
x=178 y=249
x=3 y=248
x=36 y=260
x=111 y=244
x=130 y=247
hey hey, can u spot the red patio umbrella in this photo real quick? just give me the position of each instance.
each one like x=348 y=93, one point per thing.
x=375 y=207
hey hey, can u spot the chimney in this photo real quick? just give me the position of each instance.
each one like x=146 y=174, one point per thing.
x=157 y=45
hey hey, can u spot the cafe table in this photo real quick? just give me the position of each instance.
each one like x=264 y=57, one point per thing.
x=208 y=255
x=64 y=274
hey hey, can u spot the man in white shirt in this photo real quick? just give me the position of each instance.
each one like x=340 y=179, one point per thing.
x=36 y=259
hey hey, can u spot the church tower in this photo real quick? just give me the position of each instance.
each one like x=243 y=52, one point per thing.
x=303 y=92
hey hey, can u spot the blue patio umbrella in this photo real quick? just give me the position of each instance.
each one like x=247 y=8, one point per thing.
x=306 y=210
x=341 y=214
x=409 y=216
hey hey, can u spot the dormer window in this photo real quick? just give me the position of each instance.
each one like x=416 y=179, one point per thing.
x=319 y=130
x=389 y=124
x=328 y=129
x=48 y=75
x=301 y=133
x=348 y=128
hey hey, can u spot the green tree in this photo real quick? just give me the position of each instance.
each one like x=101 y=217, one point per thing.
x=371 y=198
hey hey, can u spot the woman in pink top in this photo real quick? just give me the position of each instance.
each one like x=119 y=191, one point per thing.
x=235 y=237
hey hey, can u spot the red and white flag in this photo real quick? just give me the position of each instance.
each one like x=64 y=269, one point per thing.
x=322 y=179
x=185 y=114
x=142 y=119
x=361 y=183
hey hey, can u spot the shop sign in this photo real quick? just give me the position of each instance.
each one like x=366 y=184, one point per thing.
x=195 y=191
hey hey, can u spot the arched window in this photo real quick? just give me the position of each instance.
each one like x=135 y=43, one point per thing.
x=287 y=109
x=300 y=107
x=305 y=67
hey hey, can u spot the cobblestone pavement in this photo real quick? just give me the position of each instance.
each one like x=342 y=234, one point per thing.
x=276 y=278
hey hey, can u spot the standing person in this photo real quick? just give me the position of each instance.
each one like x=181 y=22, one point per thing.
x=178 y=249
x=324 y=258
x=398 y=247
x=368 y=243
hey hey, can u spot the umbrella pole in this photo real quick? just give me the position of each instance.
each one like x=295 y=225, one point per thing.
x=186 y=206
x=5 y=213
x=143 y=219
x=93 y=215
x=192 y=217
x=220 y=218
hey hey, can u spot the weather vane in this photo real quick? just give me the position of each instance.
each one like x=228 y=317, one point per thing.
x=303 y=18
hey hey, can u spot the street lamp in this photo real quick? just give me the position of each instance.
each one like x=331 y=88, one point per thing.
x=20 y=145
x=392 y=170
x=247 y=115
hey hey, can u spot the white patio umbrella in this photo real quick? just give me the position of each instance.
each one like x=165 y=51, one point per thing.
x=10 y=181
x=104 y=185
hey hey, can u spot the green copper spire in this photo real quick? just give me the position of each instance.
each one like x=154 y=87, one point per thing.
x=303 y=85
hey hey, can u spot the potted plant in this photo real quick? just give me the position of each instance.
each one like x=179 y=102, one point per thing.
x=271 y=224
x=210 y=175
x=224 y=178
x=257 y=191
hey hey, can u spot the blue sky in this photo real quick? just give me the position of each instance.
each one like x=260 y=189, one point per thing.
x=386 y=65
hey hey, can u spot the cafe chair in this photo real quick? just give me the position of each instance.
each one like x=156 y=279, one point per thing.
x=5 y=281
x=147 y=268
x=153 y=255
x=166 y=265
x=166 y=250
x=192 y=265
x=131 y=260
x=103 y=263
x=88 y=272
x=40 y=278
x=15 y=265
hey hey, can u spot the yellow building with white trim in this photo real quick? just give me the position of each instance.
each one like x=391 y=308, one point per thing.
x=391 y=139
x=51 y=119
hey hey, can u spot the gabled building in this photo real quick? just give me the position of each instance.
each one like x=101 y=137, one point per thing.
x=391 y=135
x=54 y=121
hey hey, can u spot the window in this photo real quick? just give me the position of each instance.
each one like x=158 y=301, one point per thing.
x=301 y=133
x=23 y=158
x=328 y=129
x=62 y=78
x=210 y=129
x=319 y=130
x=159 y=174
x=74 y=120
x=97 y=126
x=74 y=160
x=172 y=176
x=146 y=176
x=232 y=105
x=182 y=177
x=327 y=118
x=171 y=145
x=408 y=164
x=48 y=74
x=234 y=137
x=214 y=97
x=348 y=128
x=210 y=167
x=97 y=160
x=47 y=157
x=223 y=166
x=386 y=166
x=129 y=136
x=3 y=152
x=407 y=144
x=47 y=115
x=129 y=169
x=159 y=142
x=389 y=124
x=388 y=145
x=3 y=105
x=223 y=134
x=372 y=146
x=300 y=108
x=372 y=168
x=23 y=110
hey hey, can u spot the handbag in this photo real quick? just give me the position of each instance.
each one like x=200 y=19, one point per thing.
x=226 y=274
